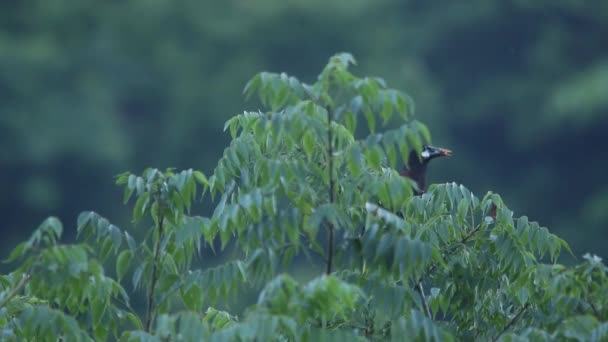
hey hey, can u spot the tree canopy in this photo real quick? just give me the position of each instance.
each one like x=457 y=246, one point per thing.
x=90 y=89
x=311 y=176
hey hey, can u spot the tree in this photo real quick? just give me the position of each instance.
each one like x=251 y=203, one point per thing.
x=304 y=179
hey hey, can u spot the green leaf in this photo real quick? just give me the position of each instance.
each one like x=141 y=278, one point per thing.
x=54 y=225
x=141 y=206
x=369 y=90
x=106 y=247
x=387 y=109
x=122 y=263
x=83 y=220
x=140 y=185
x=355 y=161
x=128 y=192
x=414 y=140
x=122 y=178
x=371 y=121
x=134 y=320
x=400 y=103
x=350 y=121
x=308 y=142
x=137 y=275
x=253 y=85
x=17 y=252
x=130 y=241
x=115 y=235
x=424 y=131
x=200 y=178
x=391 y=154
x=374 y=158
x=345 y=59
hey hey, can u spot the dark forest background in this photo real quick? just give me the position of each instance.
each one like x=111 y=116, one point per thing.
x=88 y=89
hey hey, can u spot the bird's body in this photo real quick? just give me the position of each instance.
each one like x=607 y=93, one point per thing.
x=416 y=171
x=417 y=165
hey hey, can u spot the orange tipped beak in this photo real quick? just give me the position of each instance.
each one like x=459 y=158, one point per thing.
x=444 y=152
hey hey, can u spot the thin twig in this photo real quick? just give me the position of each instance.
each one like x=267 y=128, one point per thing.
x=453 y=249
x=154 y=277
x=512 y=321
x=470 y=235
x=330 y=162
x=420 y=289
x=16 y=290
x=424 y=301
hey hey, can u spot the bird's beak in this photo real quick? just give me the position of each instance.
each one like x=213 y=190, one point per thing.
x=441 y=152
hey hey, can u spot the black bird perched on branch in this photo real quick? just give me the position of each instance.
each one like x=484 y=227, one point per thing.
x=416 y=170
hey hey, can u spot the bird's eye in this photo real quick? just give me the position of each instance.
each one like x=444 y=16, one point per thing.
x=425 y=154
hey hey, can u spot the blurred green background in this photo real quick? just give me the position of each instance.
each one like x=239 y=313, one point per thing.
x=88 y=89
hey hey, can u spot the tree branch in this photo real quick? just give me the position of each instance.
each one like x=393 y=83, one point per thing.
x=424 y=301
x=419 y=287
x=16 y=290
x=512 y=321
x=154 y=276
x=330 y=162
x=453 y=249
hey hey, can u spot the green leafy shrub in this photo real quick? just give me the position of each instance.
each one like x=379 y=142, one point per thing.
x=304 y=179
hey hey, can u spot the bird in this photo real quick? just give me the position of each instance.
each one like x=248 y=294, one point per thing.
x=416 y=170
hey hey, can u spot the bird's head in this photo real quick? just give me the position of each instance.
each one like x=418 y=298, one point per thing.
x=430 y=152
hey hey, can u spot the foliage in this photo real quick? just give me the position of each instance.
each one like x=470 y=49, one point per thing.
x=305 y=179
x=88 y=90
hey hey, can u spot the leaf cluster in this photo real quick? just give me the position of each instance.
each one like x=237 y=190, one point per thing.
x=303 y=182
